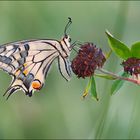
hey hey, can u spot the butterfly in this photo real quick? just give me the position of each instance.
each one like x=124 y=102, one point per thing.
x=29 y=61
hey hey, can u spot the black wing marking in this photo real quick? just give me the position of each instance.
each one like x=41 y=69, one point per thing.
x=64 y=67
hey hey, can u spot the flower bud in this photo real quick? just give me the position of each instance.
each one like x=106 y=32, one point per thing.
x=132 y=66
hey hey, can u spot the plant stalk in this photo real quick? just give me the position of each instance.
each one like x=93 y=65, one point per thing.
x=119 y=77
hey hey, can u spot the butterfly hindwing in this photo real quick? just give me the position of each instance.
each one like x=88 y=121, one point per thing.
x=30 y=61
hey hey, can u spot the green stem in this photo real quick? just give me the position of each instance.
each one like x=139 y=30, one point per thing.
x=119 y=77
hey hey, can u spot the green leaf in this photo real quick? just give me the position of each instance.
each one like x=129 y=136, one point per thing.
x=118 y=47
x=93 y=88
x=118 y=84
x=109 y=77
x=135 y=50
x=86 y=91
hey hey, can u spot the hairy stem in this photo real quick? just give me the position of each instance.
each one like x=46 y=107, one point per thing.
x=119 y=77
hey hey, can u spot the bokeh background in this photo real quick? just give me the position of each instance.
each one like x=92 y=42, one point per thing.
x=58 y=110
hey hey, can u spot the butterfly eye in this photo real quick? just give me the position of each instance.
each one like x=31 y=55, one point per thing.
x=69 y=39
x=66 y=36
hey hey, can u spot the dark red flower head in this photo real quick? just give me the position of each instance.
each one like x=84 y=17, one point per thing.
x=88 y=59
x=132 y=66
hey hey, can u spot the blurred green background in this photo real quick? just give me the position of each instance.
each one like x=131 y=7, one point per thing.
x=58 y=111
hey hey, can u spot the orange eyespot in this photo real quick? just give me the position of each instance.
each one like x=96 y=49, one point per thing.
x=36 y=85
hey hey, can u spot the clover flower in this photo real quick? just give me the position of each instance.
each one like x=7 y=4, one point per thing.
x=132 y=66
x=88 y=59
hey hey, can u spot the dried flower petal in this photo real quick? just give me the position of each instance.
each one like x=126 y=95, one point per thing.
x=88 y=59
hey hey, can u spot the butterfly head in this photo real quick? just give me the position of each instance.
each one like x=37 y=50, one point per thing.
x=67 y=40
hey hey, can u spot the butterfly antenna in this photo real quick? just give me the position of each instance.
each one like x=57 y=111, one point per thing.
x=67 y=26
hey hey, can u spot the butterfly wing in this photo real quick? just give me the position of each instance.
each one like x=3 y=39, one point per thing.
x=28 y=62
x=64 y=67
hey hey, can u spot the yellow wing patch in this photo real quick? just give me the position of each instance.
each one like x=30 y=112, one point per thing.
x=25 y=72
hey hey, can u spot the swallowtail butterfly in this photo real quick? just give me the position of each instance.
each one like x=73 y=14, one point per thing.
x=29 y=61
